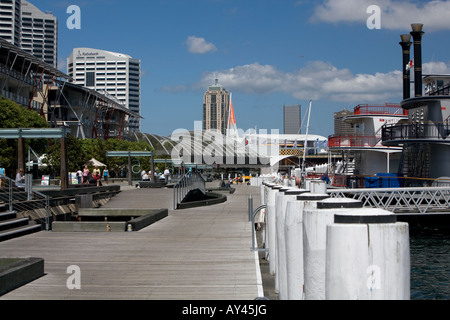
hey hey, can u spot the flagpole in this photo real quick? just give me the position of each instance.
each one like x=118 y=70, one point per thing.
x=305 y=146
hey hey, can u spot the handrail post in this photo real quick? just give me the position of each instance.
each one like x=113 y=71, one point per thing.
x=253 y=215
x=250 y=207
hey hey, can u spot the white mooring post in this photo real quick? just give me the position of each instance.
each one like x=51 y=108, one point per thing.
x=284 y=195
x=271 y=234
x=294 y=249
x=367 y=257
x=315 y=221
x=278 y=237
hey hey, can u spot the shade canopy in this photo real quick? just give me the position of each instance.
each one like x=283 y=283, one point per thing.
x=96 y=163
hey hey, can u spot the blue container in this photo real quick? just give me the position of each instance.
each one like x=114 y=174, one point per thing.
x=389 y=180
x=373 y=182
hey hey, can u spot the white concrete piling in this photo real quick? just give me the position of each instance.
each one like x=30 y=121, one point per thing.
x=294 y=249
x=270 y=228
x=279 y=241
x=283 y=197
x=315 y=222
x=318 y=186
x=367 y=257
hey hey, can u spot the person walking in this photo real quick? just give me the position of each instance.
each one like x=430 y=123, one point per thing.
x=167 y=175
x=85 y=175
x=105 y=174
x=2 y=175
x=79 y=176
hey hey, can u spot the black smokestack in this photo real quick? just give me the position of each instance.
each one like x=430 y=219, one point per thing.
x=406 y=45
x=417 y=36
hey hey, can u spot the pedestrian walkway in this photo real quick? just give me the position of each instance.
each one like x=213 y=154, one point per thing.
x=193 y=254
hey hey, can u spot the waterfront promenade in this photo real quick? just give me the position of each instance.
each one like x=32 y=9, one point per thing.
x=193 y=254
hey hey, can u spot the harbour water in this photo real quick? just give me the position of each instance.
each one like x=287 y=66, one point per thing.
x=430 y=268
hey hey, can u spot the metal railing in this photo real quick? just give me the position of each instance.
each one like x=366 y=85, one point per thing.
x=387 y=109
x=190 y=181
x=353 y=141
x=412 y=131
x=24 y=199
x=400 y=200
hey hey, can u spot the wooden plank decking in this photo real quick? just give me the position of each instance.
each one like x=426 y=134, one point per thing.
x=193 y=254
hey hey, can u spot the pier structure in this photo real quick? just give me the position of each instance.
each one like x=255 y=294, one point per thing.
x=201 y=253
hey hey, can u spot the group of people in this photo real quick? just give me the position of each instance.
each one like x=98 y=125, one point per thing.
x=20 y=177
x=94 y=177
x=162 y=176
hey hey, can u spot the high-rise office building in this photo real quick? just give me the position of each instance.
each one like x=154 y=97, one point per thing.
x=39 y=33
x=10 y=21
x=27 y=27
x=342 y=128
x=292 y=119
x=117 y=74
x=216 y=103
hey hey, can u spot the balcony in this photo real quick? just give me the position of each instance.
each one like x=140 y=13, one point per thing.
x=415 y=132
x=387 y=109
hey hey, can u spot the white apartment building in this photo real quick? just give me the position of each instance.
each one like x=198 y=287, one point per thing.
x=116 y=74
x=39 y=33
x=10 y=21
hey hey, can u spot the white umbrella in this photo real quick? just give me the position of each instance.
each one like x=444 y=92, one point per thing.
x=96 y=163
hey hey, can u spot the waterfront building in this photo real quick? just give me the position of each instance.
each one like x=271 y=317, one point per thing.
x=24 y=78
x=36 y=85
x=364 y=145
x=10 y=17
x=292 y=119
x=87 y=113
x=216 y=103
x=115 y=74
x=426 y=149
x=39 y=34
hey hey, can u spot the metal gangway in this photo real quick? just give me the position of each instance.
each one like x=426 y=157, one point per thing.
x=400 y=200
x=190 y=181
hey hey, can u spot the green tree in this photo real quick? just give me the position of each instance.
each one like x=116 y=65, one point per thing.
x=14 y=116
x=76 y=157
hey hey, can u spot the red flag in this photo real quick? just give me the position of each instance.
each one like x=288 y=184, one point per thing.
x=410 y=65
x=232 y=121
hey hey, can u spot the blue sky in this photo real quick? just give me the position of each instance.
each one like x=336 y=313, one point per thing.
x=268 y=53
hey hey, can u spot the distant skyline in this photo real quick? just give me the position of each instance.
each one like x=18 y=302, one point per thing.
x=267 y=53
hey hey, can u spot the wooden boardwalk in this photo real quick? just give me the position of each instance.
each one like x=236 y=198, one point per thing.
x=193 y=254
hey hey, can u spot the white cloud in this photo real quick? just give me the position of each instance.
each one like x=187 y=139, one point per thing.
x=395 y=14
x=318 y=80
x=199 y=45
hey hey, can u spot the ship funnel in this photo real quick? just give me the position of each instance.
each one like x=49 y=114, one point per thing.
x=417 y=34
x=406 y=45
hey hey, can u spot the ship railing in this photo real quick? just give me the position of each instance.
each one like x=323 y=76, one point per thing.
x=353 y=141
x=414 y=131
x=387 y=109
